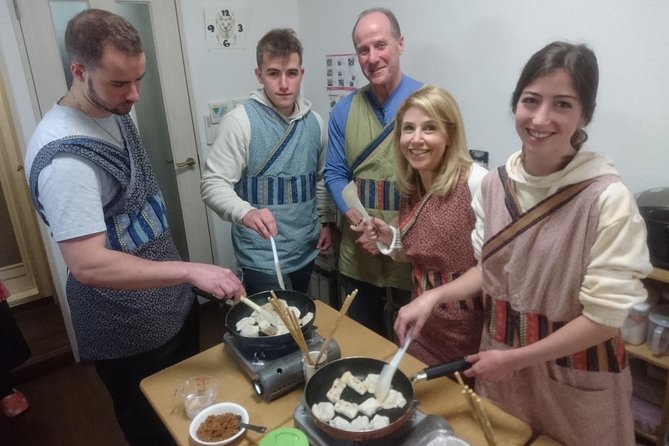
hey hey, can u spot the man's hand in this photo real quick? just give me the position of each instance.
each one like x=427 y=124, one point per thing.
x=324 y=239
x=262 y=221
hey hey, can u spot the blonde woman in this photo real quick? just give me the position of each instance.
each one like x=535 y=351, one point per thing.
x=437 y=180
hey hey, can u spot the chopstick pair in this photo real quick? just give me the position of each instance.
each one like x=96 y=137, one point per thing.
x=478 y=411
x=342 y=312
x=293 y=325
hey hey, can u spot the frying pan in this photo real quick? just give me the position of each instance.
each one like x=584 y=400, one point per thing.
x=238 y=311
x=319 y=384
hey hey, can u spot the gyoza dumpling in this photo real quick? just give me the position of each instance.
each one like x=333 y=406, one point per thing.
x=369 y=406
x=346 y=408
x=370 y=381
x=334 y=394
x=243 y=322
x=323 y=411
x=341 y=423
x=250 y=331
x=394 y=399
x=361 y=423
x=266 y=328
x=354 y=383
x=379 y=421
x=296 y=311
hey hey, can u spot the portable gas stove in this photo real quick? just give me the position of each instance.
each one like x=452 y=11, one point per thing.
x=420 y=429
x=277 y=371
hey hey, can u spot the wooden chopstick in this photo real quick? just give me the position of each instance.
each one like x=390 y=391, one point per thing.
x=293 y=325
x=478 y=411
x=487 y=425
x=342 y=313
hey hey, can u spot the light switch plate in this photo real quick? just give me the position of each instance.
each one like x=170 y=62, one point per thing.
x=210 y=129
x=216 y=110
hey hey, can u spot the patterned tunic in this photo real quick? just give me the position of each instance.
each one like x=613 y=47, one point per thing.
x=280 y=176
x=436 y=238
x=530 y=291
x=111 y=323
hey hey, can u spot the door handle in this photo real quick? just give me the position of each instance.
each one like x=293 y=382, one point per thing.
x=186 y=163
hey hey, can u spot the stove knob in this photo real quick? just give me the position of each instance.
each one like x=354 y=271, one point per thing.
x=258 y=386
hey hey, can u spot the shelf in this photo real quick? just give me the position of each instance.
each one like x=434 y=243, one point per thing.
x=659 y=274
x=643 y=352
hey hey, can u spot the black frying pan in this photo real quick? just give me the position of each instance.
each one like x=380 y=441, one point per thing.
x=360 y=367
x=240 y=310
x=319 y=384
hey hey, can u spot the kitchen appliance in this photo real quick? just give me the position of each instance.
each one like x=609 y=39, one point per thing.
x=658 y=330
x=276 y=370
x=419 y=429
x=654 y=208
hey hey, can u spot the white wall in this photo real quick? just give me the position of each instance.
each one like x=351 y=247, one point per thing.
x=226 y=74
x=477 y=48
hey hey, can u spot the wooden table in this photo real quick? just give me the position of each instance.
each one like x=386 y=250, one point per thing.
x=440 y=396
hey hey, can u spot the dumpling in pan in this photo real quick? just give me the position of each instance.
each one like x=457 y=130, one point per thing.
x=379 y=421
x=323 y=411
x=394 y=399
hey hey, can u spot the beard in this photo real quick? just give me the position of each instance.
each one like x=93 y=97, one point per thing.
x=93 y=96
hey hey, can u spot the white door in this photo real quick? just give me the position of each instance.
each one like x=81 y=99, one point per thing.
x=163 y=113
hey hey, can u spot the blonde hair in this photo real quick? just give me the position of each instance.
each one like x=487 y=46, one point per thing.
x=441 y=106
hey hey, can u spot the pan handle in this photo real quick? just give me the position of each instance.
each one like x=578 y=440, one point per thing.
x=437 y=371
x=206 y=295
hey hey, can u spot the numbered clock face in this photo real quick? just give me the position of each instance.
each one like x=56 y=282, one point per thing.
x=224 y=28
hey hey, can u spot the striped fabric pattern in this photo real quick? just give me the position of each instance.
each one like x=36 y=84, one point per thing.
x=127 y=232
x=378 y=194
x=517 y=329
x=273 y=190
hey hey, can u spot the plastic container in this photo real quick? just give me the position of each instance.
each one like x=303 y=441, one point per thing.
x=658 y=333
x=285 y=436
x=635 y=327
x=195 y=394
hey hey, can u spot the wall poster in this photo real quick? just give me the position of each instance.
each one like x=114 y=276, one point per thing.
x=342 y=76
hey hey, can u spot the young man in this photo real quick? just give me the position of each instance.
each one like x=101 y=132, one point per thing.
x=128 y=291
x=360 y=149
x=264 y=172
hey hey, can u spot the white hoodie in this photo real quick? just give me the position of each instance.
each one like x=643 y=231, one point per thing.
x=619 y=256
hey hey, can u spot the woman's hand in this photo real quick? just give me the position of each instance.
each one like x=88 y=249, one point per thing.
x=491 y=365
x=414 y=314
x=378 y=230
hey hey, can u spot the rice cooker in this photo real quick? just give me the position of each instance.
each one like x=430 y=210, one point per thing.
x=654 y=208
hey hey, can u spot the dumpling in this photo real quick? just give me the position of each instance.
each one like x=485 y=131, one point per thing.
x=346 y=408
x=323 y=411
x=369 y=406
x=361 y=423
x=243 y=322
x=393 y=399
x=341 y=423
x=250 y=331
x=354 y=383
x=379 y=421
x=370 y=381
x=334 y=394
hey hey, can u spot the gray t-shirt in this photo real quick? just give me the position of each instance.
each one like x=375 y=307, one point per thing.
x=73 y=190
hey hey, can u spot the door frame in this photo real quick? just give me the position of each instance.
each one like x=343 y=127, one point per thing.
x=47 y=87
x=24 y=222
